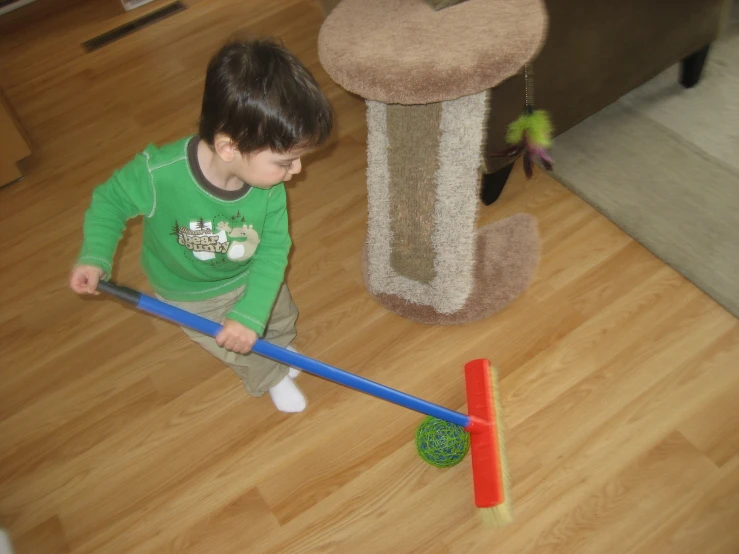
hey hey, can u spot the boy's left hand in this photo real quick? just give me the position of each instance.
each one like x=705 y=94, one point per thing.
x=235 y=337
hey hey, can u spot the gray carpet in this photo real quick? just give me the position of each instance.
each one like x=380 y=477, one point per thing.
x=663 y=164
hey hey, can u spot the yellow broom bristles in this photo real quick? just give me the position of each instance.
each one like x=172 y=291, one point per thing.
x=502 y=514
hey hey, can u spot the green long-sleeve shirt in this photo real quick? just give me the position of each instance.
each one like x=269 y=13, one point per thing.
x=198 y=241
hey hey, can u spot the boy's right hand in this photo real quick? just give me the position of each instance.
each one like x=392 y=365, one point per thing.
x=85 y=279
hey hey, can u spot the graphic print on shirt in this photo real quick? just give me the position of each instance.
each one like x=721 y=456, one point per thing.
x=232 y=238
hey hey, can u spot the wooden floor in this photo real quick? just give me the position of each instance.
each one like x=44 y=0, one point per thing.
x=619 y=377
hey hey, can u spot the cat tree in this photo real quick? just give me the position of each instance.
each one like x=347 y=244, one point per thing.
x=426 y=76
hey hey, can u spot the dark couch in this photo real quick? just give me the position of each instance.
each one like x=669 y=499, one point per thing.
x=595 y=52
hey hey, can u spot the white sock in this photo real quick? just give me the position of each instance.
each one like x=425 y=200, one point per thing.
x=5 y=546
x=293 y=373
x=287 y=396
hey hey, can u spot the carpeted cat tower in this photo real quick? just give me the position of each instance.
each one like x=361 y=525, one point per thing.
x=426 y=76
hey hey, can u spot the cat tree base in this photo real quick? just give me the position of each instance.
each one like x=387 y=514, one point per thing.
x=506 y=259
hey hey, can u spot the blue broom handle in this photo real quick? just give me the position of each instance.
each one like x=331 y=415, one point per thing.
x=287 y=357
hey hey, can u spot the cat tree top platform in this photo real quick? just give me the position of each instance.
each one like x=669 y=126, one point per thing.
x=404 y=52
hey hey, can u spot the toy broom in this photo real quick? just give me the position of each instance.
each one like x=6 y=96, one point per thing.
x=484 y=426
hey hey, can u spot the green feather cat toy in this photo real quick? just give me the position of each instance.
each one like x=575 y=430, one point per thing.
x=530 y=134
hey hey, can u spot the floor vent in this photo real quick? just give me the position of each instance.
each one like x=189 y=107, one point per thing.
x=132 y=26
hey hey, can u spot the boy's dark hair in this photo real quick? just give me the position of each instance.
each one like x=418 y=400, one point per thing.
x=261 y=96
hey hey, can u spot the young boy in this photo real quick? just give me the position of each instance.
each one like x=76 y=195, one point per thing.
x=215 y=238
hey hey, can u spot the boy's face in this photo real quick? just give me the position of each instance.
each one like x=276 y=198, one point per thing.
x=266 y=168
x=262 y=169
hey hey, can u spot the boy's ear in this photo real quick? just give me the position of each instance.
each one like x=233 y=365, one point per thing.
x=225 y=147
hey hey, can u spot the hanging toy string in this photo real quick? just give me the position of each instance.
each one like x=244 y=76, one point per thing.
x=531 y=133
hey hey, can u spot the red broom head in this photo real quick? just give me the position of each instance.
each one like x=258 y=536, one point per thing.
x=489 y=462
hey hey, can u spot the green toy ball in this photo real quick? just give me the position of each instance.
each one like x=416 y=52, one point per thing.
x=440 y=443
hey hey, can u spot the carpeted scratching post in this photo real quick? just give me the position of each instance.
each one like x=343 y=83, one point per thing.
x=426 y=76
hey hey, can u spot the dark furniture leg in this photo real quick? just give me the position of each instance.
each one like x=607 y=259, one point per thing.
x=692 y=67
x=493 y=184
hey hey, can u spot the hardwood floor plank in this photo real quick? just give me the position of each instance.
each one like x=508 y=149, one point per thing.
x=233 y=527
x=602 y=513
x=46 y=538
x=715 y=430
x=707 y=523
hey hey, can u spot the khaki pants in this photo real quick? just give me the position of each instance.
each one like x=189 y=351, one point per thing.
x=258 y=373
